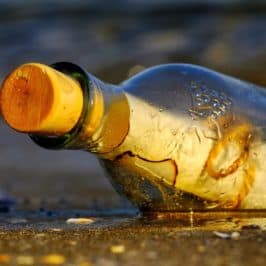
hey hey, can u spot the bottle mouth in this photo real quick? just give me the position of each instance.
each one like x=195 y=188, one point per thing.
x=67 y=140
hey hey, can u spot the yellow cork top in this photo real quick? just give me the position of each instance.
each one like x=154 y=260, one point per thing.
x=36 y=98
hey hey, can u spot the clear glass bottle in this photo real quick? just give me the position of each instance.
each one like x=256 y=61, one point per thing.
x=173 y=138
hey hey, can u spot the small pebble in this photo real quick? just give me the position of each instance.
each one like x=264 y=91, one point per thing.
x=56 y=229
x=25 y=260
x=4 y=259
x=222 y=235
x=117 y=249
x=80 y=221
x=53 y=259
x=235 y=235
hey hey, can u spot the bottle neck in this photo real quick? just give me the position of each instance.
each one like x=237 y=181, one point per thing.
x=103 y=123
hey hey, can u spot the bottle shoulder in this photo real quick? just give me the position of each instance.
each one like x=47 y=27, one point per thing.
x=186 y=86
x=168 y=71
x=184 y=74
x=181 y=79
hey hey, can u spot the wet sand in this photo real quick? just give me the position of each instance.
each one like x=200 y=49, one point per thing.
x=34 y=239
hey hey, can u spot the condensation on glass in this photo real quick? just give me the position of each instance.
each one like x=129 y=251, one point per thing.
x=175 y=137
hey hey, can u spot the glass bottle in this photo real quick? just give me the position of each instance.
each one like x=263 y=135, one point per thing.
x=174 y=137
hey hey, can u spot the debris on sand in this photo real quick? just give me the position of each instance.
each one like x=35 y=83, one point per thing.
x=233 y=235
x=81 y=221
x=117 y=249
x=53 y=259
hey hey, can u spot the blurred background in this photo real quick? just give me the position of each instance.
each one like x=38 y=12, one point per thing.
x=113 y=40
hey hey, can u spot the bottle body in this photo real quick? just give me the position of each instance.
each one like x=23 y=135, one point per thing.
x=195 y=141
x=174 y=137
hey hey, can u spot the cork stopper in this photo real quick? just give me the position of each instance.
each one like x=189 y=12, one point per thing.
x=36 y=98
